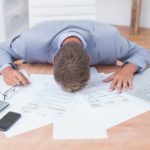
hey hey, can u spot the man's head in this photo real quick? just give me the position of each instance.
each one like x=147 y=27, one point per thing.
x=72 y=66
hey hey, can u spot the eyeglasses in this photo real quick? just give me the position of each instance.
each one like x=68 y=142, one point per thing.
x=10 y=92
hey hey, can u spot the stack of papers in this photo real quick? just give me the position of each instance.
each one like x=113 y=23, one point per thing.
x=86 y=114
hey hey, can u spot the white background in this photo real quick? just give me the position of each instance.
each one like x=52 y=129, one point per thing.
x=119 y=12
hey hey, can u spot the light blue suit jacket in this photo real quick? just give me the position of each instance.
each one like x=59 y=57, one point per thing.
x=105 y=45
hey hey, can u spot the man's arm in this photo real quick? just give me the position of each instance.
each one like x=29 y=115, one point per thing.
x=135 y=58
x=130 y=52
x=10 y=50
x=13 y=49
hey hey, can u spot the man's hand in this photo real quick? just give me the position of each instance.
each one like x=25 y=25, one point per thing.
x=122 y=78
x=13 y=77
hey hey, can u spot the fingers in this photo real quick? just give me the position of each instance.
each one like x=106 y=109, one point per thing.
x=21 y=78
x=13 y=77
x=113 y=84
x=10 y=81
x=110 y=78
x=121 y=84
x=125 y=85
x=118 y=84
x=130 y=82
x=15 y=81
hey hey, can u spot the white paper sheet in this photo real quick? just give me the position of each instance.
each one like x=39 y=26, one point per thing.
x=77 y=123
x=121 y=108
x=141 y=85
x=44 y=102
x=96 y=90
x=49 y=98
x=82 y=122
x=110 y=108
x=40 y=103
x=93 y=70
x=3 y=86
x=27 y=123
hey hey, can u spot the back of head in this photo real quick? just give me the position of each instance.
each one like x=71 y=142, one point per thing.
x=71 y=67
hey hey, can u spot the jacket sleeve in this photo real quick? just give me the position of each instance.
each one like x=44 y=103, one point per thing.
x=130 y=52
x=12 y=49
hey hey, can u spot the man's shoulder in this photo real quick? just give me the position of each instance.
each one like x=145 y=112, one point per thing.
x=100 y=26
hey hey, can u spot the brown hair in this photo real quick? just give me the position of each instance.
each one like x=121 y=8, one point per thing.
x=72 y=67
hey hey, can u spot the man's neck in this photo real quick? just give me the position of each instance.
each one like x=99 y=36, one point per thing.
x=72 y=39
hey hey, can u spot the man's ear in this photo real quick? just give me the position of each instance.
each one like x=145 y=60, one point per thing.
x=89 y=57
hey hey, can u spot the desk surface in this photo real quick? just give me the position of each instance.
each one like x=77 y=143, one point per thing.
x=133 y=134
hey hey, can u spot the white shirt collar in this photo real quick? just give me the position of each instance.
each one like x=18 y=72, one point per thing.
x=66 y=35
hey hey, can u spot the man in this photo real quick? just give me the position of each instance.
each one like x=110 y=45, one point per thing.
x=72 y=46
